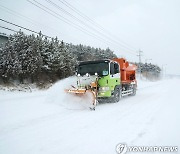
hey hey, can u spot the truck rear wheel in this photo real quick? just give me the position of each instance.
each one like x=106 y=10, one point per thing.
x=134 y=90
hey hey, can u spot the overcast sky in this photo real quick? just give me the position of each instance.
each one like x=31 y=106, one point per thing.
x=152 y=26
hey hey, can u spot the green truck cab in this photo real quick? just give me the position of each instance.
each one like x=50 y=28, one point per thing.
x=107 y=74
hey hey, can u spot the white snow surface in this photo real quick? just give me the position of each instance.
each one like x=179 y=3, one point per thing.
x=54 y=122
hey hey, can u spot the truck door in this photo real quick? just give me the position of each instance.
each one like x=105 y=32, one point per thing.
x=114 y=75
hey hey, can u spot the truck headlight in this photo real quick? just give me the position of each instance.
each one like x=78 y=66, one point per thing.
x=103 y=88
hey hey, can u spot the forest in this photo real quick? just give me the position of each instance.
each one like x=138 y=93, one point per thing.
x=37 y=59
x=40 y=60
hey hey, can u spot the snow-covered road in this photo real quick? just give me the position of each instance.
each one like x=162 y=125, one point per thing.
x=54 y=122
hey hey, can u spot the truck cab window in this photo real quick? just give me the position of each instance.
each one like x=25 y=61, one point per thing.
x=116 y=68
x=112 y=68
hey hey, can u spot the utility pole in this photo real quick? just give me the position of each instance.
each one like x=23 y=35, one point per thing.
x=139 y=55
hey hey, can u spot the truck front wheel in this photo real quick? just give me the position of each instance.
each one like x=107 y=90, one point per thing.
x=117 y=95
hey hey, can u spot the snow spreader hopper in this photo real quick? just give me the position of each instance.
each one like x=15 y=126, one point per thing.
x=106 y=80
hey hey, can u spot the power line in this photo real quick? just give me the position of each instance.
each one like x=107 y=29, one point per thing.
x=16 y=31
x=20 y=15
x=25 y=18
x=102 y=38
x=80 y=28
x=44 y=8
x=56 y=15
x=87 y=25
x=91 y=21
x=8 y=29
x=23 y=27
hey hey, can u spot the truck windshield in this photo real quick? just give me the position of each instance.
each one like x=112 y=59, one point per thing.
x=102 y=69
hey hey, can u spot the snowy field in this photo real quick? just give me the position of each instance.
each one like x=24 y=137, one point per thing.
x=53 y=122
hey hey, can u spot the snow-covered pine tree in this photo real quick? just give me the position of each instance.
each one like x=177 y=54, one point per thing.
x=9 y=63
x=70 y=60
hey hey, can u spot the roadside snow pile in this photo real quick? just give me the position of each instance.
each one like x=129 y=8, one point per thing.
x=57 y=95
x=20 y=87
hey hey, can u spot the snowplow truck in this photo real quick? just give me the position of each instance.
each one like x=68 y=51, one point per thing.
x=107 y=80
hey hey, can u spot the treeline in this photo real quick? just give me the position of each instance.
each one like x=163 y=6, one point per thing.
x=148 y=70
x=36 y=59
x=85 y=53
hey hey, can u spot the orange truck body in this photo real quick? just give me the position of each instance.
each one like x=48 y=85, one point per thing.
x=127 y=70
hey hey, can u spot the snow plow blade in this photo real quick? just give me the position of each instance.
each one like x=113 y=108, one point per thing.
x=76 y=91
